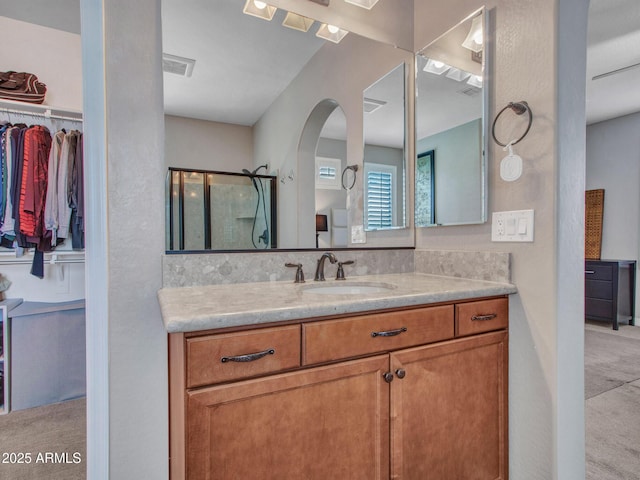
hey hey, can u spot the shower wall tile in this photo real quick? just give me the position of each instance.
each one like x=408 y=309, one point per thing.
x=490 y=266
x=184 y=270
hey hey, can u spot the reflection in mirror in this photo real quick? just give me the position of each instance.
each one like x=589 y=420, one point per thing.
x=451 y=93
x=331 y=198
x=384 y=151
x=248 y=99
x=220 y=210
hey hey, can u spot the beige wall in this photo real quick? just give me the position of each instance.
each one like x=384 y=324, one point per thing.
x=203 y=145
x=546 y=337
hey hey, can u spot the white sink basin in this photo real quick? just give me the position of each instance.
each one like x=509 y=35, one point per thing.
x=348 y=288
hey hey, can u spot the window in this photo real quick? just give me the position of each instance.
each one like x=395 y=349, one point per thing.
x=328 y=173
x=379 y=198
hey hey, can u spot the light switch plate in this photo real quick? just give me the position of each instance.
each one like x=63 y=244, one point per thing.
x=358 y=235
x=514 y=226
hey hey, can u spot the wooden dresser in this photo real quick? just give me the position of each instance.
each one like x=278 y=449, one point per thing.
x=610 y=291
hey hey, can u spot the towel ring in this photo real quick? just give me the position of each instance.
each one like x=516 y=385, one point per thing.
x=354 y=169
x=518 y=108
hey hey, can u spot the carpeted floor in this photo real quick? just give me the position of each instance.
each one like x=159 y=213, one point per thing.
x=44 y=443
x=612 y=391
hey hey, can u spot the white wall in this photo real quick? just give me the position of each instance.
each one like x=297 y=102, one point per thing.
x=33 y=48
x=457 y=176
x=127 y=385
x=203 y=145
x=613 y=163
x=539 y=50
x=52 y=55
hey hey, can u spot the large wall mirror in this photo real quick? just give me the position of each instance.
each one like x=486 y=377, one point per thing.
x=451 y=140
x=265 y=93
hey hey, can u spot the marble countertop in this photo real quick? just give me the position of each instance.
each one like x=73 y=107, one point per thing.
x=188 y=309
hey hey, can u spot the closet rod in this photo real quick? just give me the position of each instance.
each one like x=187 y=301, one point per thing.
x=46 y=262
x=46 y=114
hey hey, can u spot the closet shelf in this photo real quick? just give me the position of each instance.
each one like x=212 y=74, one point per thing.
x=41 y=110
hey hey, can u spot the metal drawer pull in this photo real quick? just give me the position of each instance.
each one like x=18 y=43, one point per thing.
x=482 y=318
x=249 y=357
x=389 y=333
x=589 y=272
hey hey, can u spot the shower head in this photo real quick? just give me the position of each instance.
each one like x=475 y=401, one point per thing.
x=247 y=172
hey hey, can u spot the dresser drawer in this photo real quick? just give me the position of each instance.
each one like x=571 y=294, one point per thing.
x=598 y=272
x=355 y=336
x=598 y=308
x=481 y=316
x=225 y=357
x=598 y=289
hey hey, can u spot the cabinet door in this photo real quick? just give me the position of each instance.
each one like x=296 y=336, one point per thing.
x=449 y=410
x=322 y=423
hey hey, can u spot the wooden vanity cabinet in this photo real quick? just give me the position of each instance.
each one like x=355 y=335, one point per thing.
x=435 y=409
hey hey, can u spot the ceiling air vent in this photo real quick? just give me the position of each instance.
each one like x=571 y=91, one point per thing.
x=371 y=105
x=177 y=65
x=469 y=91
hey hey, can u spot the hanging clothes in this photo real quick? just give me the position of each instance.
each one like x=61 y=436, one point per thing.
x=76 y=194
x=41 y=190
x=57 y=212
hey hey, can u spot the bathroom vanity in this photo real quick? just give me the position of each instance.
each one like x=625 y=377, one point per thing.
x=408 y=381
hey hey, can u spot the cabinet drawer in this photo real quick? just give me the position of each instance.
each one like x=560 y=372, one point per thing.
x=598 y=271
x=482 y=316
x=598 y=289
x=378 y=332
x=225 y=357
x=594 y=307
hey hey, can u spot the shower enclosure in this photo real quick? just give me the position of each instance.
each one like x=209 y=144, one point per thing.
x=208 y=210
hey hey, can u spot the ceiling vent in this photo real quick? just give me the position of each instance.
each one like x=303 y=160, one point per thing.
x=177 y=65
x=469 y=91
x=371 y=105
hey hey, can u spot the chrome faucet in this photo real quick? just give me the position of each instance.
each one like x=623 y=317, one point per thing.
x=319 y=276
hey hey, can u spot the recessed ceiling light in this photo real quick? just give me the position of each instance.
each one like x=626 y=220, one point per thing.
x=331 y=32
x=474 y=38
x=435 y=66
x=259 y=9
x=297 y=22
x=456 y=74
x=368 y=4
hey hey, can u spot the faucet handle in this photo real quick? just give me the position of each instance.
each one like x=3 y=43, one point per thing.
x=299 y=272
x=340 y=272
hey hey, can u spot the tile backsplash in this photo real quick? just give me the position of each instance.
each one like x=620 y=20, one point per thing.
x=185 y=270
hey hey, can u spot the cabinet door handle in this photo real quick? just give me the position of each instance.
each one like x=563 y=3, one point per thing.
x=483 y=318
x=401 y=373
x=249 y=357
x=388 y=377
x=389 y=333
x=589 y=272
